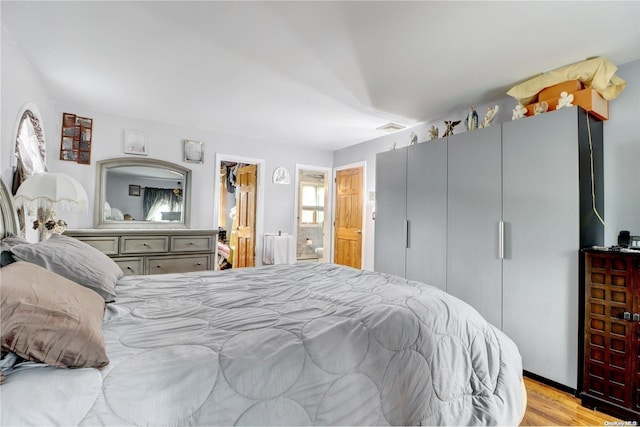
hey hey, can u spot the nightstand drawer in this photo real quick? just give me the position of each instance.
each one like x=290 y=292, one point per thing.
x=180 y=264
x=131 y=265
x=143 y=244
x=106 y=245
x=191 y=243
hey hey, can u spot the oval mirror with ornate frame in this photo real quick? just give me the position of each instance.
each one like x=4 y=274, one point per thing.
x=141 y=193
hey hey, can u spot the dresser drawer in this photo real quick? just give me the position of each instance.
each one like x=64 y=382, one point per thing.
x=191 y=243
x=131 y=265
x=177 y=264
x=106 y=245
x=143 y=244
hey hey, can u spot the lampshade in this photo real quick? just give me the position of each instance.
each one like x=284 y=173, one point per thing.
x=52 y=191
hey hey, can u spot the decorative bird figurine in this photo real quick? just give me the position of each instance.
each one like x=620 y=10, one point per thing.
x=450 y=125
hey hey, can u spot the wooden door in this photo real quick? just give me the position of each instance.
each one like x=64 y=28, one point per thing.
x=246 y=179
x=348 y=221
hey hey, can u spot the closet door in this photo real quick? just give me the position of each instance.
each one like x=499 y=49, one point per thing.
x=540 y=269
x=391 y=213
x=427 y=213
x=474 y=266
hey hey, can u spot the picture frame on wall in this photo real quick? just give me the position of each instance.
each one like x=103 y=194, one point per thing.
x=193 y=151
x=76 y=136
x=134 y=190
x=135 y=142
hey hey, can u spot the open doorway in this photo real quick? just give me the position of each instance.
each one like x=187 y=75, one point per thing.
x=239 y=211
x=313 y=216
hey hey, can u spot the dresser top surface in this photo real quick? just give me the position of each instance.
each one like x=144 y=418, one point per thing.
x=139 y=232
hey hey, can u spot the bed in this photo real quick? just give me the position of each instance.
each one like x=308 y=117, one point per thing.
x=303 y=344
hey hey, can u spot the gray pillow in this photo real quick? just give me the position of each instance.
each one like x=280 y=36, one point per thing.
x=5 y=248
x=74 y=260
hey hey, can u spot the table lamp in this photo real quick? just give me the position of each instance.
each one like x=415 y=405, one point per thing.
x=48 y=192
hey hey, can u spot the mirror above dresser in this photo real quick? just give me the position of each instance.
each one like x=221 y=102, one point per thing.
x=139 y=193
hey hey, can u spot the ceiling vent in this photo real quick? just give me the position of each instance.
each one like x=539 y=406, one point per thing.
x=390 y=127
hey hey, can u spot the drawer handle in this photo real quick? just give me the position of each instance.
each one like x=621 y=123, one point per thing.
x=129 y=268
x=199 y=263
x=158 y=266
x=145 y=244
x=191 y=243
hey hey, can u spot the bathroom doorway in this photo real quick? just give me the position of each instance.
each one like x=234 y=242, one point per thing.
x=239 y=211
x=313 y=215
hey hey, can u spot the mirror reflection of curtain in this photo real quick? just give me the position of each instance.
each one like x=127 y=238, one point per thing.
x=30 y=154
x=157 y=200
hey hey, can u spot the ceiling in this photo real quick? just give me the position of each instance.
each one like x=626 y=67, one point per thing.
x=321 y=74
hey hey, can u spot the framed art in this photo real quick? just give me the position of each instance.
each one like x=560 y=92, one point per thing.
x=135 y=142
x=193 y=151
x=134 y=190
x=76 y=135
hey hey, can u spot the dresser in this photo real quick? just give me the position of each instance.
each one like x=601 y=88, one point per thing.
x=612 y=324
x=154 y=251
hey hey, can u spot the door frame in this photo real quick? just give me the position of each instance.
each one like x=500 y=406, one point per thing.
x=327 y=229
x=363 y=237
x=259 y=196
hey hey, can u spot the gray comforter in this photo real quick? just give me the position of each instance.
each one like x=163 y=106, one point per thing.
x=287 y=345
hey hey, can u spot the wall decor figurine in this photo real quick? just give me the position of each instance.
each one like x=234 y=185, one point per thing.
x=540 y=107
x=433 y=133
x=519 y=112
x=471 y=122
x=413 y=139
x=492 y=111
x=566 y=100
x=450 y=125
x=281 y=176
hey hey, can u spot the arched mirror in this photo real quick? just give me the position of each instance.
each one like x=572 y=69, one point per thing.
x=141 y=193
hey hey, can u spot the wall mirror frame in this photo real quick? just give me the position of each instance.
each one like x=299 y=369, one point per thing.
x=137 y=171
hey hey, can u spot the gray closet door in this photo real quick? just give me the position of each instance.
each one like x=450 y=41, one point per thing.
x=391 y=213
x=474 y=267
x=540 y=269
x=427 y=213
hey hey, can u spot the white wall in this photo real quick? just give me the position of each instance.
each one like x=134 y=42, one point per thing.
x=621 y=157
x=164 y=142
x=21 y=85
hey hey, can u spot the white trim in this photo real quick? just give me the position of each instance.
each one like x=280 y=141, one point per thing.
x=30 y=106
x=259 y=197
x=328 y=205
x=363 y=165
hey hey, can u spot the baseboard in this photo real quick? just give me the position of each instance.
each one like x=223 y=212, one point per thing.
x=551 y=383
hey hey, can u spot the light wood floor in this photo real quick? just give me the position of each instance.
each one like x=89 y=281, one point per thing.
x=547 y=406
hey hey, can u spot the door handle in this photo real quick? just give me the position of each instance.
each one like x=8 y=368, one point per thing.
x=501 y=240
x=359 y=231
x=406 y=234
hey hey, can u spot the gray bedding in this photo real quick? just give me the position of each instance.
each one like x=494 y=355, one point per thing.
x=287 y=345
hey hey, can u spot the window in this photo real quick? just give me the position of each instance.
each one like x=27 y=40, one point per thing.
x=312 y=206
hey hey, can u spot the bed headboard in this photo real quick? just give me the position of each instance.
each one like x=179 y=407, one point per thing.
x=8 y=213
